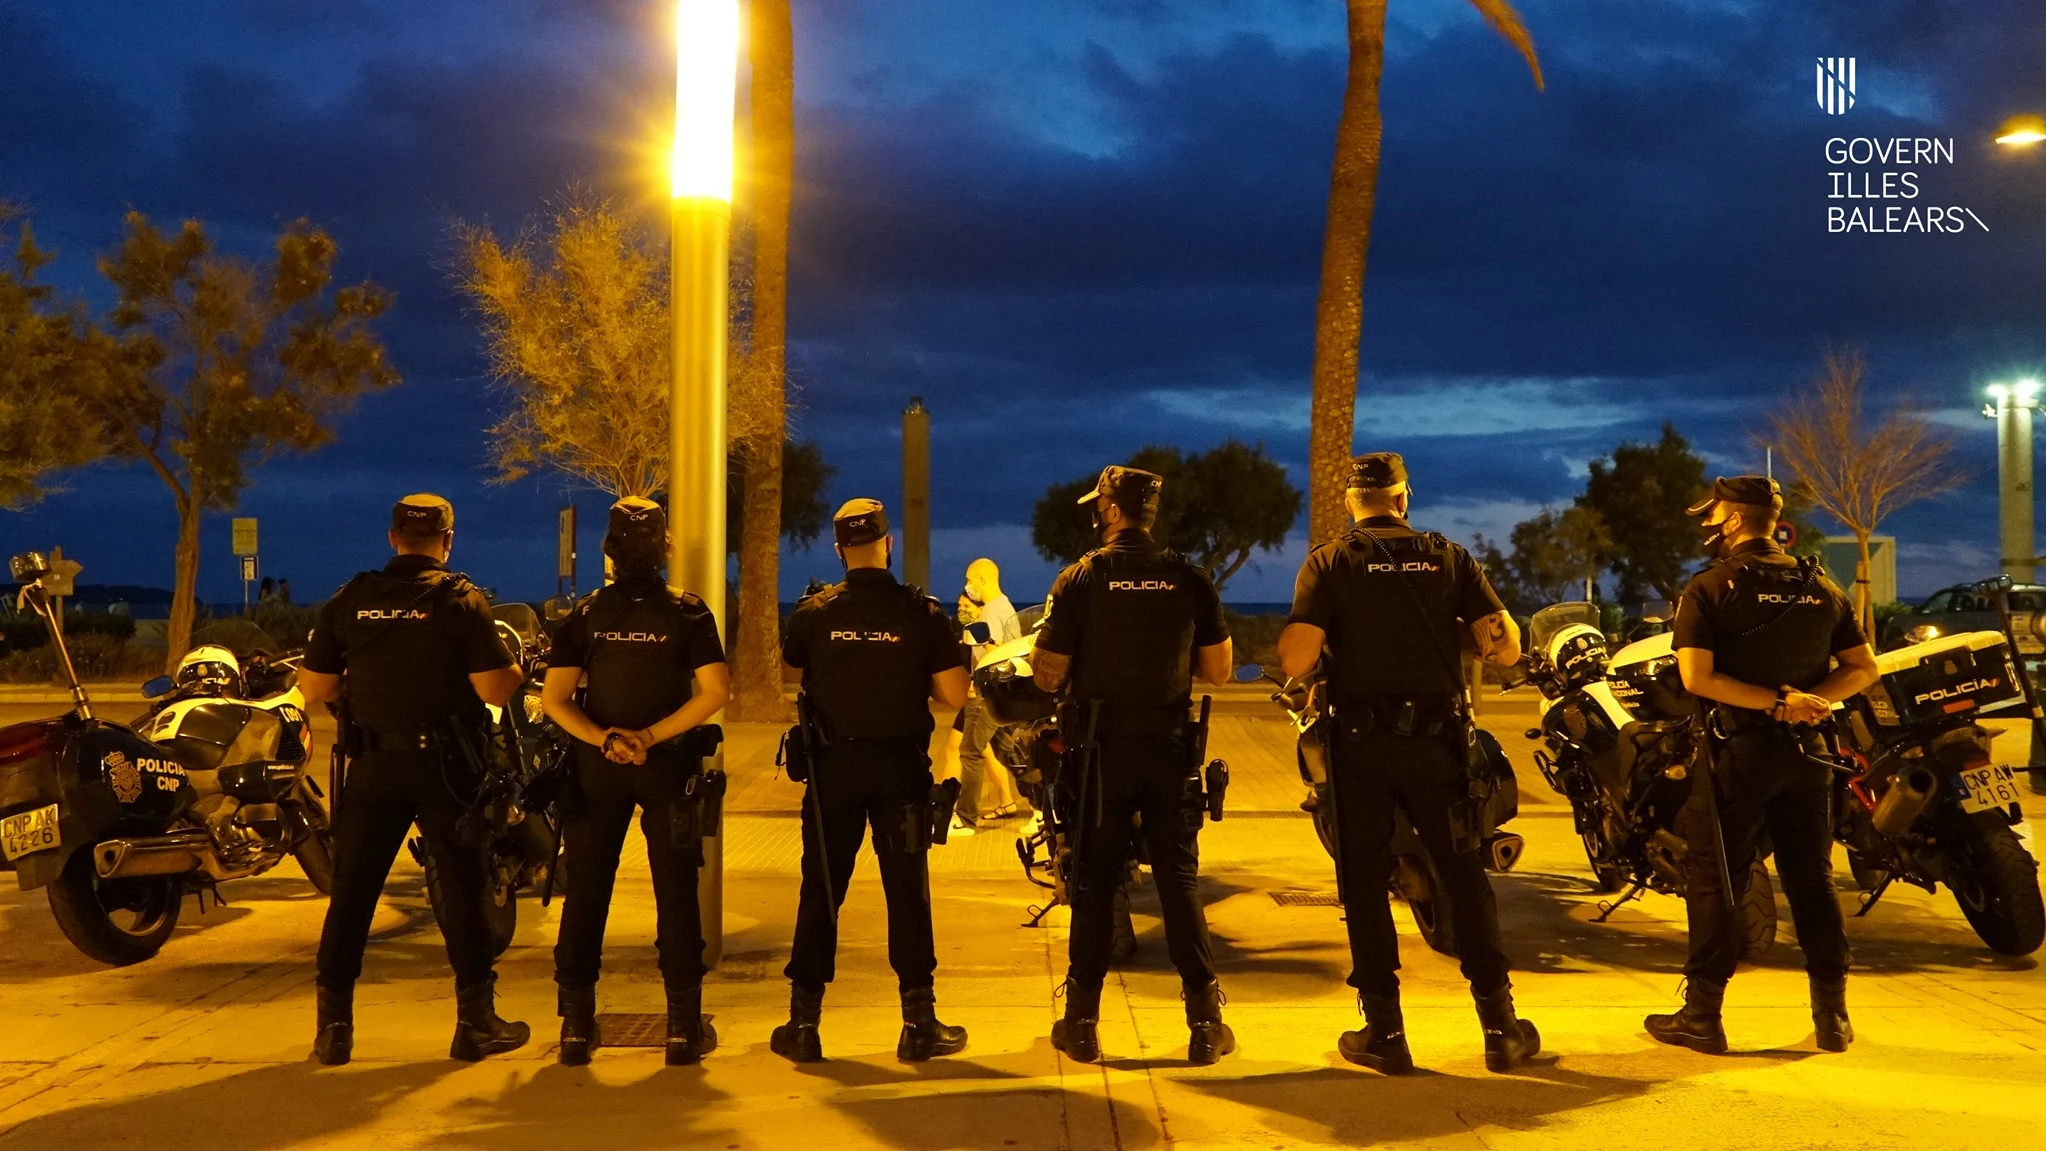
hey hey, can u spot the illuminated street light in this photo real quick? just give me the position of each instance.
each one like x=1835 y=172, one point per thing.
x=2012 y=410
x=2022 y=132
x=707 y=41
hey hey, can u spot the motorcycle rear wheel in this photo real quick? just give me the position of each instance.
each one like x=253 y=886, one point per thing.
x=117 y=922
x=1607 y=877
x=1432 y=915
x=1758 y=913
x=1998 y=887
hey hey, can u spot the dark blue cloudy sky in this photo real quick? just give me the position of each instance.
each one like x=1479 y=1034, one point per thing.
x=1076 y=226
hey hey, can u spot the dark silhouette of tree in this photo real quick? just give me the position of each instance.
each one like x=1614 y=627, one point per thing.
x=1641 y=493
x=51 y=357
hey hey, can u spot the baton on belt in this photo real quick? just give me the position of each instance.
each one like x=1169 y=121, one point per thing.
x=1709 y=779
x=813 y=743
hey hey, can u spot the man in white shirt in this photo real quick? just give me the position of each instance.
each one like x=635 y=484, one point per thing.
x=983 y=602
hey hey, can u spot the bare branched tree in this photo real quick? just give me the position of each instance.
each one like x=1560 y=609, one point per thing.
x=1855 y=469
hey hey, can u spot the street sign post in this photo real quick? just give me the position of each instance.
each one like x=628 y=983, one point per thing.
x=245 y=547
x=248 y=577
x=564 y=553
x=63 y=582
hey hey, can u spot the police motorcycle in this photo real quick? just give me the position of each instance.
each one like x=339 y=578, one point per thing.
x=119 y=827
x=1618 y=741
x=1414 y=877
x=1923 y=802
x=1051 y=750
x=524 y=757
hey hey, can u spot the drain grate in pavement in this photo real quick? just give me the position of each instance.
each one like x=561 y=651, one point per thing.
x=1306 y=899
x=632 y=1030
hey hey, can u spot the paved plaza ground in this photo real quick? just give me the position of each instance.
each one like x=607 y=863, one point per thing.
x=207 y=1045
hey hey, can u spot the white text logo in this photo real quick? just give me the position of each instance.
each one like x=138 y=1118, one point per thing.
x=1139 y=585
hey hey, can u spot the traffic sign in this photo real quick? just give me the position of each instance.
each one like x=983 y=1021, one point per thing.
x=564 y=546
x=1786 y=534
x=248 y=569
x=62 y=573
x=245 y=537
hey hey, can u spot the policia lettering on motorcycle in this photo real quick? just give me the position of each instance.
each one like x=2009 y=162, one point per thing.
x=1129 y=628
x=1757 y=635
x=872 y=654
x=636 y=669
x=1394 y=608
x=412 y=654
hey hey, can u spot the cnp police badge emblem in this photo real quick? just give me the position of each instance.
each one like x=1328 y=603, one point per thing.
x=124 y=776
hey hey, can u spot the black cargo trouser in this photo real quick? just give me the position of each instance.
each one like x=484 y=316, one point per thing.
x=1377 y=774
x=387 y=792
x=592 y=837
x=857 y=783
x=1152 y=776
x=1765 y=784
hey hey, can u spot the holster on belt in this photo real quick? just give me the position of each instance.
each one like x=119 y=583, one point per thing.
x=944 y=800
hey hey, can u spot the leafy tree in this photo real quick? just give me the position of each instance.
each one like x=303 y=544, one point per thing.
x=233 y=362
x=763 y=449
x=804 y=514
x=51 y=357
x=1339 y=310
x=1557 y=556
x=1217 y=507
x=1854 y=469
x=1641 y=493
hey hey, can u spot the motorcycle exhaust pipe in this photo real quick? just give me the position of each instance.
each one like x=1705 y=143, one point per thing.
x=1910 y=790
x=1503 y=850
x=174 y=854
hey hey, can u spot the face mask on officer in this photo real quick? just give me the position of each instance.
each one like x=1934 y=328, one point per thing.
x=1713 y=533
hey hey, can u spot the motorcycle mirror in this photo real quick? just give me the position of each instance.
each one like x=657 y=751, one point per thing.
x=557 y=608
x=159 y=687
x=1249 y=673
x=979 y=632
x=1655 y=611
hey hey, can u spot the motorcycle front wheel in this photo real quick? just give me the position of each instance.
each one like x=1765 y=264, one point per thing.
x=115 y=921
x=315 y=847
x=1607 y=877
x=1996 y=882
x=1431 y=915
x=500 y=907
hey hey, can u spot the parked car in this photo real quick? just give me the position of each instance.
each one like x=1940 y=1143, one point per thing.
x=1965 y=608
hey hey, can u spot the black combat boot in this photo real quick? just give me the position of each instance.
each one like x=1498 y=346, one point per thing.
x=1208 y=1038
x=578 y=1009
x=1382 y=1044
x=1509 y=1040
x=1829 y=1014
x=334 y=1041
x=690 y=1035
x=797 y=1040
x=922 y=1035
x=478 y=1030
x=1696 y=1025
x=1074 y=1034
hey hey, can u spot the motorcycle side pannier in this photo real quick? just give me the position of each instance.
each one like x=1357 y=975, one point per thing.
x=1927 y=681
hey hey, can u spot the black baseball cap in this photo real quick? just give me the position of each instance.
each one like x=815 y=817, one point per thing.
x=1130 y=489
x=1378 y=470
x=1760 y=491
x=423 y=514
x=859 y=522
x=635 y=518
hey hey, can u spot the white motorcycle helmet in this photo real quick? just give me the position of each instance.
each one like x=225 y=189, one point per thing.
x=209 y=669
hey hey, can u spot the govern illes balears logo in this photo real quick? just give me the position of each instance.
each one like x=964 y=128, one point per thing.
x=1836 y=84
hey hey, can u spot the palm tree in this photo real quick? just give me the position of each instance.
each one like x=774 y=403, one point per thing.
x=771 y=39
x=1339 y=313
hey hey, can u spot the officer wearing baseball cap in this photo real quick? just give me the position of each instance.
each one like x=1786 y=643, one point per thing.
x=1769 y=644
x=872 y=654
x=636 y=672
x=1129 y=628
x=417 y=654
x=1394 y=607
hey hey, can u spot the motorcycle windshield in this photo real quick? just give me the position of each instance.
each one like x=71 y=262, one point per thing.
x=1554 y=618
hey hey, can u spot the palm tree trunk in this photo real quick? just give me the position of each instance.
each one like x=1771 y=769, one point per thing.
x=756 y=692
x=185 y=584
x=1339 y=313
x=1864 y=591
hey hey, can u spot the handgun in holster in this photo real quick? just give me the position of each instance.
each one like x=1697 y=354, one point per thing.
x=1083 y=764
x=1210 y=777
x=347 y=746
x=802 y=744
x=944 y=801
x=704 y=790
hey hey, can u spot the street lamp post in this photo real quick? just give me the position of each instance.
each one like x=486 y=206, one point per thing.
x=2012 y=411
x=700 y=225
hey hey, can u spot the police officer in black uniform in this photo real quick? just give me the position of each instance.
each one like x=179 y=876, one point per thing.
x=1132 y=625
x=873 y=654
x=417 y=653
x=1394 y=608
x=1757 y=634
x=635 y=668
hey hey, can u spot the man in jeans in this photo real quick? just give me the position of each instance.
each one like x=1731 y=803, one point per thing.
x=981 y=602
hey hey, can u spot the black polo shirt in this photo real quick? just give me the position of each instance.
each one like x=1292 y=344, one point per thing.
x=867 y=649
x=408 y=638
x=1131 y=615
x=639 y=643
x=1395 y=609
x=1766 y=619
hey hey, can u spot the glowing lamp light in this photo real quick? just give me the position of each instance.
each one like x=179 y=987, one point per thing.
x=706 y=76
x=2026 y=391
x=1998 y=391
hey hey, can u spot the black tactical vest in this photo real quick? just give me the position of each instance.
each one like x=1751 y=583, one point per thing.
x=1773 y=618
x=638 y=658
x=1136 y=652
x=404 y=636
x=866 y=667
